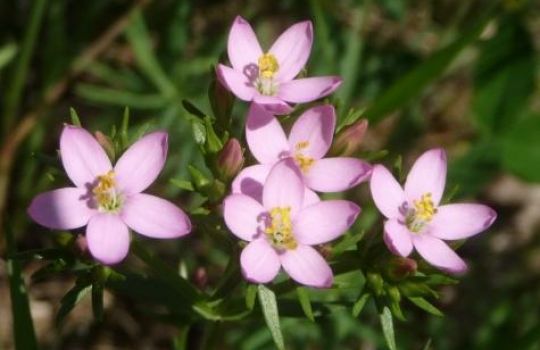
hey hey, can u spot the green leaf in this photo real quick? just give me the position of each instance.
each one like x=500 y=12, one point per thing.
x=192 y=109
x=360 y=303
x=72 y=298
x=75 y=120
x=23 y=328
x=97 y=301
x=199 y=131
x=251 y=294
x=521 y=149
x=7 y=53
x=414 y=82
x=269 y=307
x=303 y=298
x=183 y=184
x=139 y=38
x=426 y=306
x=387 y=324
x=122 y=98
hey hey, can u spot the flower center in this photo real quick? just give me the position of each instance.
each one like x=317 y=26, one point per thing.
x=268 y=66
x=105 y=194
x=279 y=232
x=421 y=214
x=303 y=161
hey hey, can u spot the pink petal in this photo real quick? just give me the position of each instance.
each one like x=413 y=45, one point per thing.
x=397 y=238
x=259 y=261
x=237 y=82
x=336 y=174
x=273 y=104
x=386 y=192
x=265 y=136
x=292 y=50
x=250 y=181
x=284 y=187
x=108 y=238
x=62 y=209
x=308 y=89
x=243 y=47
x=438 y=254
x=316 y=127
x=325 y=221
x=306 y=266
x=141 y=164
x=154 y=217
x=244 y=216
x=428 y=175
x=458 y=221
x=82 y=156
x=310 y=198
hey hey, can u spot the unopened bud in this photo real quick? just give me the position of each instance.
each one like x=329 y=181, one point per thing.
x=200 y=278
x=106 y=143
x=349 y=140
x=230 y=159
x=400 y=268
x=221 y=101
x=376 y=282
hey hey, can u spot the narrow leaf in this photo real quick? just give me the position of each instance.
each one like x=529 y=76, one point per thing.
x=75 y=120
x=303 y=298
x=360 y=303
x=269 y=307
x=251 y=294
x=426 y=306
x=72 y=298
x=387 y=324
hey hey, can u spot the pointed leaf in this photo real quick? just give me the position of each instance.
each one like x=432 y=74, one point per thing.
x=387 y=324
x=269 y=307
x=303 y=298
x=426 y=306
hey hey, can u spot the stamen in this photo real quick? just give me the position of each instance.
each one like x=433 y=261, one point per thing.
x=105 y=193
x=268 y=66
x=421 y=214
x=304 y=162
x=279 y=232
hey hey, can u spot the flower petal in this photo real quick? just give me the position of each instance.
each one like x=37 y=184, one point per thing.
x=62 y=209
x=438 y=254
x=336 y=174
x=82 y=156
x=325 y=221
x=397 y=238
x=428 y=175
x=314 y=129
x=108 y=238
x=239 y=83
x=308 y=89
x=273 y=104
x=250 y=181
x=386 y=192
x=260 y=262
x=458 y=221
x=243 y=47
x=306 y=266
x=310 y=198
x=141 y=164
x=265 y=136
x=284 y=187
x=243 y=216
x=154 y=217
x=292 y=49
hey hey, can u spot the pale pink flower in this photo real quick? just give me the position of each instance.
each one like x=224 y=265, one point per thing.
x=109 y=200
x=268 y=78
x=309 y=140
x=281 y=229
x=417 y=219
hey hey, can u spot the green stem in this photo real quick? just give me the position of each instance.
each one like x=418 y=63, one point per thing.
x=14 y=91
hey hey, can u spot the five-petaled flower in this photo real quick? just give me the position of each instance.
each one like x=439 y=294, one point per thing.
x=417 y=219
x=309 y=140
x=107 y=199
x=281 y=228
x=268 y=78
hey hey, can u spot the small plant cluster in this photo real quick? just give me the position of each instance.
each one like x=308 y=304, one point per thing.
x=285 y=208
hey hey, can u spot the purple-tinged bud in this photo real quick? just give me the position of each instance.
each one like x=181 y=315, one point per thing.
x=200 y=278
x=400 y=268
x=349 y=140
x=230 y=159
x=106 y=143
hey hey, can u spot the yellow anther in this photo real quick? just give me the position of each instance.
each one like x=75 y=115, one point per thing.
x=268 y=65
x=279 y=232
x=424 y=208
x=304 y=162
x=302 y=145
x=104 y=192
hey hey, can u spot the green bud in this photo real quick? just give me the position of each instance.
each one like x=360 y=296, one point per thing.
x=375 y=282
x=399 y=268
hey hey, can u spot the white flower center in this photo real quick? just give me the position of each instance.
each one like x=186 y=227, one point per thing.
x=279 y=231
x=105 y=194
x=268 y=67
x=422 y=213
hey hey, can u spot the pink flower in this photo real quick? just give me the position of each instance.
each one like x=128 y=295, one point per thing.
x=268 y=78
x=109 y=200
x=308 y=142
x=280 y=228
x=416 y=218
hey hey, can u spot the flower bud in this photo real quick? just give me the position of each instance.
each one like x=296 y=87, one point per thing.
x=106 y=143
x=375 y=282
x=400 y=268
x=221 y=101
x=230 y=159
x=348 y=140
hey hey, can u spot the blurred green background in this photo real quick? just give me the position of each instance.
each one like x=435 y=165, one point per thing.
x=462 y=75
